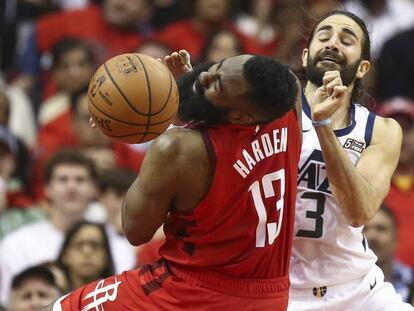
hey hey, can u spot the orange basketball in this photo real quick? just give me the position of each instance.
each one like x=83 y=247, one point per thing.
x=133 y=98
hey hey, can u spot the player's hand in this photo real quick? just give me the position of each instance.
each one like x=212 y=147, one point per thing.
x=329 y=97
x=178 y=63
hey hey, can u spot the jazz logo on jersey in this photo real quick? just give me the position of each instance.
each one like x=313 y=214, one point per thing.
x=101 y=294
x=354 y=145
x=312 y=174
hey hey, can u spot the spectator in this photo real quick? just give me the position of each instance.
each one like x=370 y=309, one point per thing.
x=381 y=233
x=70 y=185
x=73 y=130
x=395 y=67
x=85 y=254
x=257 y=21
x=16 y=162
x=153 y=48
x=221 y=44
x=116 y=27
x=32 y=289
x=18 y=18
x=21 y=119
x=59 y=274
x=113 y=185
x=72 y=70
x=166 y=12
x=207 y=17
x=400 y=198
x=106 y=152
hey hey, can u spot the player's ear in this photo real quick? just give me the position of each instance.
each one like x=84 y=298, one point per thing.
x=239 y=118
x=363 y=68
x=305 y=54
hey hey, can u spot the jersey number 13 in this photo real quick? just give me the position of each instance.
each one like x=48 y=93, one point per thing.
x=268 y=184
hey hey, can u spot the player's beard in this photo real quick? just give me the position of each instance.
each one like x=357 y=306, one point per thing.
x=315 y=73
x=194 y=106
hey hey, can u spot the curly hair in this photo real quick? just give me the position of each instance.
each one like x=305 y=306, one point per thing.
x=274 y=86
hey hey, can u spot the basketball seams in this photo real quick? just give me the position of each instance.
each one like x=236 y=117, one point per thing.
x=125 y=122
x=133 y=134
x=122 y=93
x=157 y=101
x=149 y=97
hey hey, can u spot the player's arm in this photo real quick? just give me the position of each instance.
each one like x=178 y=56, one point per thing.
x=358 y=190
x=172 y=174
x=149 y=198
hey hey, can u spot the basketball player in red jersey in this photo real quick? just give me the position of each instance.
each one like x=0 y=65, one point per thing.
x=224 y=187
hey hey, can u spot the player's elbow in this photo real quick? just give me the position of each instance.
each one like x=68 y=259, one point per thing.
x=358 y=222
x=364 y=215
x=136 y=239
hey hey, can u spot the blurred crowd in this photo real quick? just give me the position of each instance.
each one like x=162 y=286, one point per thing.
x=62 y=183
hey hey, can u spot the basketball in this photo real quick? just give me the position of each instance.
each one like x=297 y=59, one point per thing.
x=133 y=98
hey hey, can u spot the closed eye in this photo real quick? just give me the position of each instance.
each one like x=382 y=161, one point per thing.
x=220 y=84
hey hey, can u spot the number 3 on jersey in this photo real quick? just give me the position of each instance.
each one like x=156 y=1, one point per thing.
x=273 y=228
x=314 y=215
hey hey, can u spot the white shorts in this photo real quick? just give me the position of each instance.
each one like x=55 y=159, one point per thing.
x=369 y=293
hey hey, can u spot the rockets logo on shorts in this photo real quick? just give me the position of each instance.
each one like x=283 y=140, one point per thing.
x=101 y=294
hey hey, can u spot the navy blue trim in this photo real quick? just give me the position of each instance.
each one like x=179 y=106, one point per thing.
x=369 y=128
x=305 y=106
x=349 y=129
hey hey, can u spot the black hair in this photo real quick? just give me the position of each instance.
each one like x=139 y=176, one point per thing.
x=358 y=92
x=69 y=44
x=118 y=180
x=109 y=269
x=72 y=157
x=35 y=272
x=274 y=86
x=210 y=39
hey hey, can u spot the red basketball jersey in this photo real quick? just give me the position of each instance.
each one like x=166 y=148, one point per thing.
x=244 y=226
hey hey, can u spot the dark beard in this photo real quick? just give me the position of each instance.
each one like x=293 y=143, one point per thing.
x=315 y=74
x=193 y=105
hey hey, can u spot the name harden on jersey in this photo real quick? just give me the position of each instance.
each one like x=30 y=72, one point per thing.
x=263 y=147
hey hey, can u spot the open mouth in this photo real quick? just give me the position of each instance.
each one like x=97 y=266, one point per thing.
x=329 y=59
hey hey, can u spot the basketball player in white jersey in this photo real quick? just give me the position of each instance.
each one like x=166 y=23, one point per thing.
x=332 y=267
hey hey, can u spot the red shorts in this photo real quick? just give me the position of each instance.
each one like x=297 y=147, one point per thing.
x=159 y=286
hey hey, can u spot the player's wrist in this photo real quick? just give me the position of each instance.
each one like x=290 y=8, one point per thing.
x=323 y=122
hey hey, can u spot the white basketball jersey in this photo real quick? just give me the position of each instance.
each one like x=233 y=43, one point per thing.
x=326 y=250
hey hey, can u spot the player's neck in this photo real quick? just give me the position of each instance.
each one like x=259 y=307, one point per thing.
x=341 y=118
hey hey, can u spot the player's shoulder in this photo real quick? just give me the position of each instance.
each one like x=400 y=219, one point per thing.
x=178 y=140
x=385 y=130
